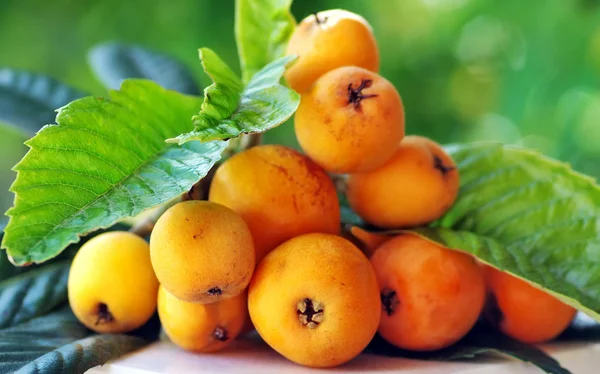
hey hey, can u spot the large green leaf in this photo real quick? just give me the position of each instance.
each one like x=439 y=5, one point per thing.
x=543 y=217
x=25 y=342
x=58 y=343
x=105 y=160
x=262 y=31
x=114 y=62
x=33 y=294
x=28 y=101
x=230 y=110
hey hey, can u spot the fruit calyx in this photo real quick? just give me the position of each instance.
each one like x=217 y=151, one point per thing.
x=355 y=95
x=104 y=315
x=215 y=291
x=220 y=333
x=318 y=20
x=439 y=164
x=389 y=301
x=310 y=313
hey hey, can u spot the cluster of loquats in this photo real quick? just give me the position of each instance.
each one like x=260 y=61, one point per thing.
x=266 y=250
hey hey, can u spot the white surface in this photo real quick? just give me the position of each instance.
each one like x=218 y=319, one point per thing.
x=254 y=357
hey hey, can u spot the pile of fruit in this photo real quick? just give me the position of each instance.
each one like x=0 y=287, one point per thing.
x=267 y=250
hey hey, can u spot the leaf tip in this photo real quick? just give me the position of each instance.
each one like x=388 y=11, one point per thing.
x=17 y=261
x=204 y=52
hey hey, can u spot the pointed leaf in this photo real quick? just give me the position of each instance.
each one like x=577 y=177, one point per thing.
x=262 y=31
x=28 y=101
x=229 y=110
x=106 y=160
x=114 y=62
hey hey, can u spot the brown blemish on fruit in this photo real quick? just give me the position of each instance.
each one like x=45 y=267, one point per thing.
x=220 y=333
x=355 y=95
x=312 y=170
x=198 y=234
x=389 y=301
x=310 y=313
x=104 y=315
x=439 y=165
x=215 y=291
x=492 y=311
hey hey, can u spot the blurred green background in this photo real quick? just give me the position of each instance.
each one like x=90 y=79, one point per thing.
x=522 y=72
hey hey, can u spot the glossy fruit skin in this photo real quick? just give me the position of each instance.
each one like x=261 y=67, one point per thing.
x=202 y=251
x=431 y=295
x=201 y=327
x=279 y=192
x=416 y=186
x=112 y=287
x=523 y=312
x=333 y=39
x=337 y=280
x=350 y=121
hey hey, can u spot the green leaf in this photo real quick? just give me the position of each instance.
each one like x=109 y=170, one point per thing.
x=531 y=216
x=262 y=31
x=114 y=62
x=479 y=341
x=58 y=343
x=28 y=101
x=33 y=294
x=82 y=355
x=106 y=160
x=229 y=110
x=25 y=342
